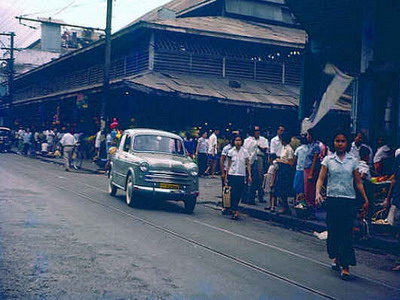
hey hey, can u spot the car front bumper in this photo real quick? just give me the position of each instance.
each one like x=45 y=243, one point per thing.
x=167 y=194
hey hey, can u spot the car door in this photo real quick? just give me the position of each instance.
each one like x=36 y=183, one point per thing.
x=126 y=157
x=118 y=176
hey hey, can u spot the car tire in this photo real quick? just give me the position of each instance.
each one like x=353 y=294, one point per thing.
x=190 y=204
x=129 y=199
x=112 y=189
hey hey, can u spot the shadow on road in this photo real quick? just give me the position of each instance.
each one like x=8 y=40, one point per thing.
x=154 y=205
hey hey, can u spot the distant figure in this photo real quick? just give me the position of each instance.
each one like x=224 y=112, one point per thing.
x=359 y=141
x=68 y=142
x=311 y=169
x=27 y=141
x=300 y=158
x=257 y=146
x=284 y=175
x=276 y=143
x=212 y=152
x=201 y=153
x=189 y=144
x=382 y=155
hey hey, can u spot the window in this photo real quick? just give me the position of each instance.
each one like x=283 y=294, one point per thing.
x=127 y=144
x=157 y=143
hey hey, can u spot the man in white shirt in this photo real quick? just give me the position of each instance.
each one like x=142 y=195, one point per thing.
x=357 y=144
x=257 y=146
x=212 y=152
x=68 y=142
x=276 y=143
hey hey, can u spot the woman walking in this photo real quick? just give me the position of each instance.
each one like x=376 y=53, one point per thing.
x=238 y=163
x=341 y=205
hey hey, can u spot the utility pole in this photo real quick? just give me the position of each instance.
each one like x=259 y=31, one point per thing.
x=10 y=71
x=107 y=62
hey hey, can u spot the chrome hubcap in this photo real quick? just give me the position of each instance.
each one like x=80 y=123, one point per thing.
x=110 y=185
x=129 y=191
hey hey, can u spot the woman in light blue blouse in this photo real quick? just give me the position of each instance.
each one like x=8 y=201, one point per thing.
x=341 y=206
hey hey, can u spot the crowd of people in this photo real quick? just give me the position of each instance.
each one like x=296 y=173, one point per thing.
x=335 y=173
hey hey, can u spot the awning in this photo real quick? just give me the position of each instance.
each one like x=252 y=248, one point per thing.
x=223 y=90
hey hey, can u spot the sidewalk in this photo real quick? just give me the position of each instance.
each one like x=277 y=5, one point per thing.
x=210 y=190
x=210 y=196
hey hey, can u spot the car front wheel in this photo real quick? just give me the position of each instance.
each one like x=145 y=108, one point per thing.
x=190 y=204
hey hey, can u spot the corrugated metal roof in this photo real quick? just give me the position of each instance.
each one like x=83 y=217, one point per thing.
x=237 y=28
x=211 y=88
x=177 y=6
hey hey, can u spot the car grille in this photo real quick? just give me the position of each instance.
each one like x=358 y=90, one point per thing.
x=168 y=177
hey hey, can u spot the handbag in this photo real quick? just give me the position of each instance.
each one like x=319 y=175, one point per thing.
x=226 y=196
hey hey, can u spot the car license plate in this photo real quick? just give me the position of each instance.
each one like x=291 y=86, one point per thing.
x=170 y=186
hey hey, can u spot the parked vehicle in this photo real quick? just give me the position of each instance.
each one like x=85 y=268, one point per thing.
x=5 y=139
x=153 y=164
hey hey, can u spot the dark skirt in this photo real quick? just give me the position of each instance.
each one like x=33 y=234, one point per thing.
x=284 y=181
x=341 y=213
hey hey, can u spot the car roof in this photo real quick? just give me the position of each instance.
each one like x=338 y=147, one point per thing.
x=144 y=131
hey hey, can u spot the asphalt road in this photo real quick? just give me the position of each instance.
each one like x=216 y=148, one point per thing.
x=63 y=237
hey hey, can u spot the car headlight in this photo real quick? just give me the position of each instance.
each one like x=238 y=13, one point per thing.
x=144 y=167
x=194 y=171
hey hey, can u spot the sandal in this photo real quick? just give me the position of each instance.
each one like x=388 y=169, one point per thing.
x=345 y=275
x=335 y=266
x=235 y=215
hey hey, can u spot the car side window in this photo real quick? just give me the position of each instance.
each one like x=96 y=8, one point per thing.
x=127 y=143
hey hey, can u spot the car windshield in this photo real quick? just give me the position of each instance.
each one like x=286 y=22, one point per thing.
x=158 y=143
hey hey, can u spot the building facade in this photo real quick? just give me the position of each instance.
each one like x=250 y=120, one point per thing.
x=188 y=63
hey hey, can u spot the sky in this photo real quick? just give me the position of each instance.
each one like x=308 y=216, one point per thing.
x=90 y=13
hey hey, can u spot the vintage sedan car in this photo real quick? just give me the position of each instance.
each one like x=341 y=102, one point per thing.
x=153 y=164
x=5 y=139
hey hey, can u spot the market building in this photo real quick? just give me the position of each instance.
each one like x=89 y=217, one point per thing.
x=188 y=63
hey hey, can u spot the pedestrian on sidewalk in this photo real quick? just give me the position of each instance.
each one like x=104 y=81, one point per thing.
x=257 y=146
x=27 y=141
x=212 y=152
x=68 y=143
x=238 y=163
x=382 y=158
x=189 y=144
x=359 y=141
x=311 y=169
x=276 y=143
x=201 y=153
x=341 y=169
x=300 y=157
x=223 y=162
x=284 y=175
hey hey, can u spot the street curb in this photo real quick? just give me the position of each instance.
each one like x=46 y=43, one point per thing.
x=289 y=220
x=373 y=243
